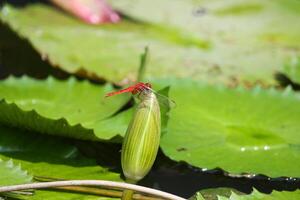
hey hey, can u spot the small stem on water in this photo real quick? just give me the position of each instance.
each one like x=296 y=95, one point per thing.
x=128 y=194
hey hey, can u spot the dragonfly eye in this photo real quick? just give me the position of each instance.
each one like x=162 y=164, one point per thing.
x=148 y=85
x=134 y=91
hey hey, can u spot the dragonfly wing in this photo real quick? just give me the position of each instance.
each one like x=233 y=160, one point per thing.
x=163 y=100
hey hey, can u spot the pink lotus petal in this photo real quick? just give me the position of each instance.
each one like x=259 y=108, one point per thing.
x=90 y=11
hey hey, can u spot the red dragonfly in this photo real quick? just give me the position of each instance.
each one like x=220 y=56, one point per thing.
x=134 y=89
x=139 y=87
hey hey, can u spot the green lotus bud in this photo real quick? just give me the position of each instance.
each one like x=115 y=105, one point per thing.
x=142 y=138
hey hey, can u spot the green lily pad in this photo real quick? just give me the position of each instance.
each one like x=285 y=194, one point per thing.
x=214 y=193
x=232 y=23
x=52 y=157
x=292 y=69
x=53 y=195
x=255 y=195
x=98 y=51
x=37 y=155
x=234 y=129
x=239 y=130
x=11 y=174
x=253 y=38
x=69 y=108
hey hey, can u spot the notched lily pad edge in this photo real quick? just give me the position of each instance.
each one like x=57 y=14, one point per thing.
x=220 y=171
x=88 y=133
x=62 y=122
x=284 y=80
x=10 y=164
x=285 y=92
x=20 y=173
x=233 y=194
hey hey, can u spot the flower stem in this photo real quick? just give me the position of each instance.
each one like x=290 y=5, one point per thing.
x=127 y=195
x=107 y=184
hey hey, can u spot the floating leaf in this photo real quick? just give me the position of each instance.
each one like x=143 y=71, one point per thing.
x=253 y=131
x=53 y=157
x=245 y=36
x=235 y=129
x=213 y=193
x=98 y=51
x=255 y=195
x=225 y=23
x=11 y=174
x=36 y=154
x=67 y=108
x=54 y=195
x=292 y=69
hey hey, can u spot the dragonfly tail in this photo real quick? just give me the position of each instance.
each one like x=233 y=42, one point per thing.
x=130 y=89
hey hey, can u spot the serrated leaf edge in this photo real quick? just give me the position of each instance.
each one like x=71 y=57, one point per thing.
x=49 y=80
x=17 y=168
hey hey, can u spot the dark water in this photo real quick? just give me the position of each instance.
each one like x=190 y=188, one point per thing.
x=167 y=175
x=22 y=2
x=182 y=179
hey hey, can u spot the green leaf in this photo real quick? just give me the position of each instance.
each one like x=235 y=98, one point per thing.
x=255 y=195
x=250 y=38
x=239 y=130
x=53 y=157
x=49 y=156
x=53 y=195
x=213 y=193
x=234 y=129
x=292 y=69
x=11 y=174
x=66 y=108
x=99 y=51
x=229 y=24
x=111 y=51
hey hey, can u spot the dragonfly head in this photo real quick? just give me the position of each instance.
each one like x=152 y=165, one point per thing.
x=141 y=87
x=148 y=85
